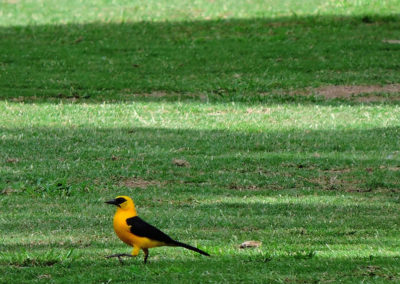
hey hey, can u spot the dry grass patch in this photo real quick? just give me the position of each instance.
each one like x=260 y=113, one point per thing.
x=8 y=191
x=393 y=169
x=180 y=163
x=139 y=183
x=253 y=187
x=217 y=113
x=12 y=160
x=164 y=94
x=333 y=171
x=327 y=182
x=359 y=93
x=258 y=110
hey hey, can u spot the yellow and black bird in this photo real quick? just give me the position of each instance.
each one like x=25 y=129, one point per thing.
x=135 y=232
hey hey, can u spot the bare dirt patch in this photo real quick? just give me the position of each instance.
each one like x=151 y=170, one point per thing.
x=333 y=171
x=336 y=183
x=12 y=160
x=370 y=93
x=139 y=183
x=393 y=169
x=8 y=191
x=180 y=163
x=163 y=94
x=155 y=94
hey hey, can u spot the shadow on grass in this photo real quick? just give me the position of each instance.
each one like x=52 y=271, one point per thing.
x=255 y=60
x=54 y=159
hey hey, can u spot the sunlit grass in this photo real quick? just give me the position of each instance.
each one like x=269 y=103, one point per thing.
x=27 y=12
x=201 y=116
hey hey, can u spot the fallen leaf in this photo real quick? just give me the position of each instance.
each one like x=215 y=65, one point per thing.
x=250 y=244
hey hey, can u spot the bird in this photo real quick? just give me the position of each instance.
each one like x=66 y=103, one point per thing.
x=135 y=232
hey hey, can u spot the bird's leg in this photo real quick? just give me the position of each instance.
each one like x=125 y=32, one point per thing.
x=119 y=255
x=146 y=254
x=135 y=252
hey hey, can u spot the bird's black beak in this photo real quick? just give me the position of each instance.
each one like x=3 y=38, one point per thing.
x=113 y=202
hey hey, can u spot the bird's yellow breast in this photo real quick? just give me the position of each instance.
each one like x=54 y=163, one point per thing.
x=122 y=229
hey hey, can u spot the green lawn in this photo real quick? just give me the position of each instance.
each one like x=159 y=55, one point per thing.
x=98 y=99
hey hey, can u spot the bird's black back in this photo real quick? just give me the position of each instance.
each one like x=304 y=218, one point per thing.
x=141 y=228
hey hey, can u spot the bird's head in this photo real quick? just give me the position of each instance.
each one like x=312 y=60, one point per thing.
x=123 y=203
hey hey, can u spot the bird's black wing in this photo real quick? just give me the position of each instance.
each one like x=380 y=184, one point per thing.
x=143 y=229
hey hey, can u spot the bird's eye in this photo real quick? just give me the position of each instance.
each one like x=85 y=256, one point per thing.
x=120 y=200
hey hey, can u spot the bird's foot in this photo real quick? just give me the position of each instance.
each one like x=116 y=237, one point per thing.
x=119 y=255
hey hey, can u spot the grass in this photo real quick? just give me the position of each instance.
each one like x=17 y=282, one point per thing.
x=98 y=104
x=28 y=12
x=321 y=208
x=248 y=60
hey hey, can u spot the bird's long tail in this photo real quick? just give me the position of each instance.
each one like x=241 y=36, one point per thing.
x=179 y=244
